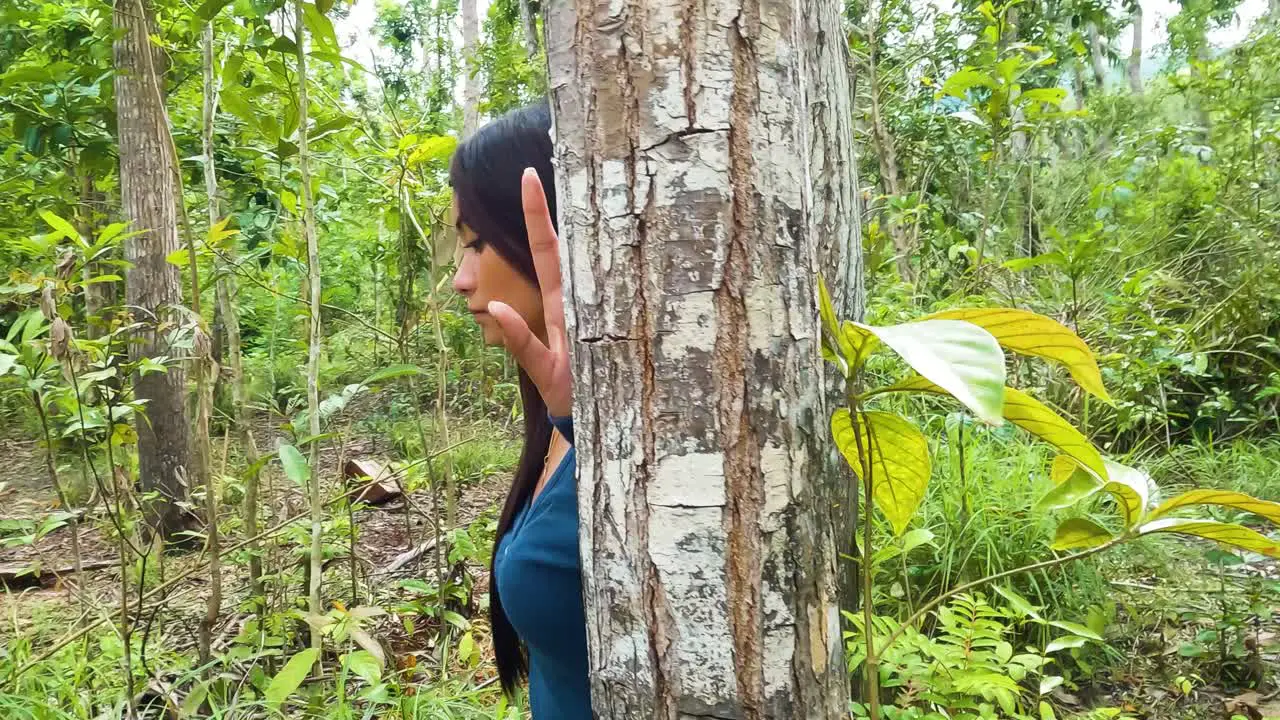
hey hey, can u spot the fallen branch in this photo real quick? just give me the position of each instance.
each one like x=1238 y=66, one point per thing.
x=409 y=556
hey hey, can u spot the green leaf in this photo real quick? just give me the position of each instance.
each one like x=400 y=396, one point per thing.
x=960 y=357
x=219 y=232
x=1223 y=498
x=364 y=665
x=1076 y=628
x=391 y=372
x=179 y=257
x=62 y=228
x=835 y=348
x=324 y=6
x=1063 y=643
x=916 y=538
x=210 y=9
x=438 y=147
x=1080 y=485
x=1048 y=96
x=295 y=466
x=1055 y=258
x=6 y=363
x=899 y=460
x=1130 y=487
x=1017 y=601
x=962 y=81
x=1033 y=334
x=320 y=27
x=290 y=677
x=1079 y=533
x=1227 y=533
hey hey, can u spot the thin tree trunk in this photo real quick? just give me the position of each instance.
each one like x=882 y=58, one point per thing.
x=470 y=82
x=205 y=367
x=1096 y=58
x=530 y=25
x=314 y=338
x=1134 y=67
x=153 y=285
x=699 y=160
x=51 y=467
x=885 y=150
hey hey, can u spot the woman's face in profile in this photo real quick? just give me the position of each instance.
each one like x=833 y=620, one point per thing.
x=485 y=276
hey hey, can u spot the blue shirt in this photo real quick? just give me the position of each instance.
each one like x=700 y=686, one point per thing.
x=539 y=574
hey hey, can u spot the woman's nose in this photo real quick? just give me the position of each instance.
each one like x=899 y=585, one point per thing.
x=464 y=279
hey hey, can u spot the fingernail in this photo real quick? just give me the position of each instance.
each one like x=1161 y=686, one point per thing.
x=530 y=172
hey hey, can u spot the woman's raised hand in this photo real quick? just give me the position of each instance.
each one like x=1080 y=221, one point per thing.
x=546 y=364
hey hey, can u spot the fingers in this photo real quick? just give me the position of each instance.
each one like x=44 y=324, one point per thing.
x=545 y=248
x=523 y=345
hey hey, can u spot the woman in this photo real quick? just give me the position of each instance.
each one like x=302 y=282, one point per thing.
x=504 y=202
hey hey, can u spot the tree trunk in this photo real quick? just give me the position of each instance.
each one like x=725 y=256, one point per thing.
x=153 y=285
x=315 y=575
x=530 y=25
x=703 y=150
x=1096 y=59
x=1134 y=67
x=470 y=82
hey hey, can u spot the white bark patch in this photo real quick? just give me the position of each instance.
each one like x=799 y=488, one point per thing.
x=695 y=480
x=691 y=324
x=775 y=466
x=766 y=316
x=687 y=546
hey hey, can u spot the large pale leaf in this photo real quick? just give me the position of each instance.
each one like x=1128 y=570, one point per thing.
x=959 y=357
x=1033 y=416
x=295 y=466
x=290 y=677
x=1129 y=486
x=1033 y=334
x=1080 y=533
x=1224 y=498
x=899 y=461
x=1227 y=533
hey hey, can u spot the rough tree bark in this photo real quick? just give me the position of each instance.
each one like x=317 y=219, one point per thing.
x=705 y=164
x=1134 y=67
x=153 y=285
x=470 y=83
x=530 y=25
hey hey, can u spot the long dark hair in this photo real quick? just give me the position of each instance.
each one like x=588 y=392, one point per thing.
x=485 y=175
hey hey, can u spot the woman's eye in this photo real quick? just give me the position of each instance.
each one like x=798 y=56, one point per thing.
x=476 y=245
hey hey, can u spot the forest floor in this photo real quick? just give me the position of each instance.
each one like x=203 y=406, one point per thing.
x=1187 y=642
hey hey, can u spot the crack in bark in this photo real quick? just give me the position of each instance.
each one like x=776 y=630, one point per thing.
x=743 y=480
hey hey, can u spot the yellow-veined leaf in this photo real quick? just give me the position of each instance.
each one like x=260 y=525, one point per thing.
x=1225 y=498
x=1062 y=468
x=835 y=348
x=1036 y=418
x=1226 y=533
x=1130 y=487
x=958 y=356
x=899 y=461
x=1033 y=334
x=179 y=257
x=859 y=341
x=1033 y=416
x=1079 y=533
